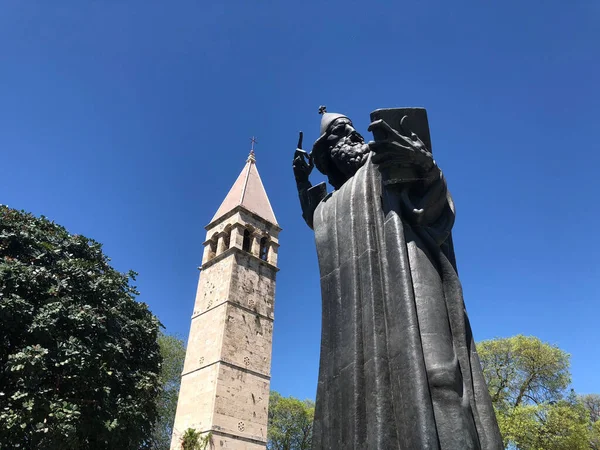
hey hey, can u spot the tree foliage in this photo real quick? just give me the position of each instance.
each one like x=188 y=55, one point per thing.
x=193 y=440
x=79 y=358
x=527 y=380
x=290 y=423
x=591 y=403
x=523 y=370
x=547 y=426
x=172 y=351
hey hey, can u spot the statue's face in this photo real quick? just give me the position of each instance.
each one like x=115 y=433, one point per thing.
x=341 y=152
x=340 y=129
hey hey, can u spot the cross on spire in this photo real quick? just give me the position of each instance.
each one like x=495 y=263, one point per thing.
x=322 y=109
x=251 y=156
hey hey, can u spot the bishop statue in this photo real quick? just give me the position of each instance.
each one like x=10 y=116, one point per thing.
x=398 y=366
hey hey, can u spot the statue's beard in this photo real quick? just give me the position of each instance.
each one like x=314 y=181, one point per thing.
x=349 y=154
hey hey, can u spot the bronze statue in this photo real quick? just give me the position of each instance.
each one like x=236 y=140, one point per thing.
x=398 y=367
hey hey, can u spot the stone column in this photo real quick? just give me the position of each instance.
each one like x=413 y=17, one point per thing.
x=221 y=244
x=255 y=250
x=272 y=254
x=206 y=256
x=210 y=250
x=237 y=236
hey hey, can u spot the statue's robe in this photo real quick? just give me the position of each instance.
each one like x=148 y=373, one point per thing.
x=398 y=367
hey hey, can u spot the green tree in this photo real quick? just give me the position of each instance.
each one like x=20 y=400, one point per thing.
x=290 y=423
x=591 y=403
x=527 y=380
x=172 y=350
x=595 y=435
x=547 y=426
x=79 y=358
x=523 y=370
x=194 y=440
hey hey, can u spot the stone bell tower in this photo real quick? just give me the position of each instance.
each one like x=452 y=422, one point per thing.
x=226 y=375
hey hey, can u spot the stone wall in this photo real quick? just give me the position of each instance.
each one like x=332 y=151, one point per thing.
x=253 y=284
x=196 y=402
x=247 y=340
x=241 y=406
x=214 y=285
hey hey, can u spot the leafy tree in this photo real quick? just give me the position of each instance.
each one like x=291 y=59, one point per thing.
x=527 y=380
x=79 y=358
x=193 y=440
x=591 y=403
x=172 y=350
x=290 y=423
x=595 y=435
x=547 y=426
x=523 y=370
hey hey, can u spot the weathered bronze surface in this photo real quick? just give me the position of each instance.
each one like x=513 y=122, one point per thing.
x=398 y=368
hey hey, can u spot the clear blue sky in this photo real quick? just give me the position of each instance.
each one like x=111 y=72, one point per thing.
x=128 y=122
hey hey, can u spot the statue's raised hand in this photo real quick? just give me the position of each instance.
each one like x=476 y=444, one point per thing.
x=399 y=149
x=303 y=163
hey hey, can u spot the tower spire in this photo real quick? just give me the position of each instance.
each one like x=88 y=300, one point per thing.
x=248 y=191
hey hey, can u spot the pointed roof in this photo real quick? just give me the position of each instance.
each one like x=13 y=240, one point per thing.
x=249 y=192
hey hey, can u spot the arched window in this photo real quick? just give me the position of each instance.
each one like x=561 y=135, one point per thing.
x=264 y=248
x=246 y=242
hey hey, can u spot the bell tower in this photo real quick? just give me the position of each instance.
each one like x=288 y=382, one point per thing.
x=226 y=375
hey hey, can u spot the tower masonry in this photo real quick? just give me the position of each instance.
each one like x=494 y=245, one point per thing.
x=226 y=375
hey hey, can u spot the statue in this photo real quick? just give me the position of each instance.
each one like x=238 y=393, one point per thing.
x=398 y=366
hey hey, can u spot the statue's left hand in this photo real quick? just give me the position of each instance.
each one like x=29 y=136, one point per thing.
x=399 y=149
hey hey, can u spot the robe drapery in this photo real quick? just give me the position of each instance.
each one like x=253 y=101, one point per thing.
x=398 y=367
